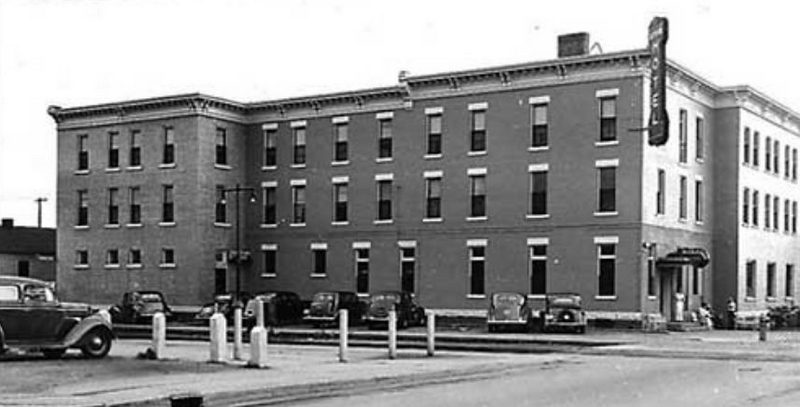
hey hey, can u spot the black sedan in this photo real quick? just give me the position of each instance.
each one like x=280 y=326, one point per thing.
x=280 y=307
x=409 y=312
x=139 y=306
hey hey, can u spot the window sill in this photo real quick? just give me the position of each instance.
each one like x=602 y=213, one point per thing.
x=82 y=227
x=297 y=166
x=297 y=225
x=543 y=216
x=772 y=299
x=477 y=218
x=339 y=163
x=268 y=225
x=652 y=297
x=476 y=296
x=788 y=299
x=81 y=172
x=681 y=220
x=606 y=214
x=318 y=275
x=608 y=143
x=432 y=220
x=538 y=149
x=111 y=226
x=383 y=221
x=536 y=296
x=81 y=267
x=384 y=160
x=432 y=156
x=269 y=275
x=605 y=297
x=133 y=266
x=111 y=266
x=113 y=169
x=700 y=160
x=168 y=265
x=134 y=168
x=699 y=223
x=749 y=299
x=343 y=223
x=167 y=224
x=133 y=225
x=222 y=225
x=476 y=153
x=223 y=167
x=362 y=295
x=167 y=165
x=269 y=167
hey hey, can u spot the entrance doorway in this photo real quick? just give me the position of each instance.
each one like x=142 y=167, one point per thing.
x=220 y=281
x=666 y=295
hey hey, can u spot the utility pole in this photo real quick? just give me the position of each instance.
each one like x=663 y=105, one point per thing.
x=39 y=213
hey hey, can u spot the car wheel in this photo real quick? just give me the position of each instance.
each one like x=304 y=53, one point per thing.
x=53 y=353
x=96 y=344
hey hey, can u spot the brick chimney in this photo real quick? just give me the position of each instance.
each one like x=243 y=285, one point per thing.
x=573 y=45
x=7 y=223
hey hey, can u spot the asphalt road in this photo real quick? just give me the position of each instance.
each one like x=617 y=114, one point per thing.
x=606 y=381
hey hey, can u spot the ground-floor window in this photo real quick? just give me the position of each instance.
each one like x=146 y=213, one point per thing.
x=407 y=267
x=477 y=269
x=789 y=280
x=696 y=280
x=538 y=269
x=750 y=278
x=362 y=270
x=651 y=270
x=269 y=254
x=606 y=265
x=319 y=254
x=770 y=279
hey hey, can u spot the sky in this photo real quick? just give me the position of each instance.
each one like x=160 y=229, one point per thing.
x=79 y=52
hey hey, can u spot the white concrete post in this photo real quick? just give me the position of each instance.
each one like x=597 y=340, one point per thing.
x=219 y=338
x=392 y=334
x=259 y=313
x=258 y=339
x=159 y=345
x=343 y=335
x=237 y=333
x=431 y=319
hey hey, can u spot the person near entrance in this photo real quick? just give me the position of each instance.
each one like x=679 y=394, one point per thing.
x=731 y=314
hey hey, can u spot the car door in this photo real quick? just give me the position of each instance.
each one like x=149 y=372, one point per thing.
x=12 y=315
x=43 y=315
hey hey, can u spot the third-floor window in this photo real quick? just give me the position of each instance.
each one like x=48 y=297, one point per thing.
x=113 y=149
x=683 y=141
x=434 y=134
x=113 y=206
x=83 y=152
x=340 y=142
x=135 y=208
x=169 y=146
x=135 y=153
x=221 y=147
x=539 y=125
x=270 y=148
x=608 y=118
x=299 y=144
x=168 y=205
x=385 y=138
x=477 y=142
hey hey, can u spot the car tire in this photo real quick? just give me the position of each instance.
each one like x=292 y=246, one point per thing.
x=96 y=344
x=53 y=353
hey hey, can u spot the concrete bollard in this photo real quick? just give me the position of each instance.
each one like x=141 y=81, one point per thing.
x=219 y=338
x=343 y=335
x=763 y=326
x=258 y=339
x=259 y=313
x=431 y=325
x=392 y=334
x=237 y=333
x=159 y=345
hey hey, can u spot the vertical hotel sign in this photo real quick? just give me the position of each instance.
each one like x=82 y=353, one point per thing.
x=658 y=126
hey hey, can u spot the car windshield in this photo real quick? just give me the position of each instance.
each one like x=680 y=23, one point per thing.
x=564 y=301
x=507 y=299
x=323 y=297
x=151 y=297
x=385 y=299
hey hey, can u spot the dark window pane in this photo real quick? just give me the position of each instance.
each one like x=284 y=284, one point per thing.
x=606 y=278
x=435 y=144
x=538 y=276
x=477 y=277
x=478 y=140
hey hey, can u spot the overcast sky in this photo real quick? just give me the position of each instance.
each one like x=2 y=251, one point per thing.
x=72 y=53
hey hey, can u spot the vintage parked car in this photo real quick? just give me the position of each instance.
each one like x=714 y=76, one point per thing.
x=280 y=307
x=509 y=309
x=32 y=318
x=563 y=312
x=139 y=306
x=325 y=306
x=223 y=303
x=409 y=312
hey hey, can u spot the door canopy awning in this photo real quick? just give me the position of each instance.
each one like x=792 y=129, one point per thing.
x=694 y=256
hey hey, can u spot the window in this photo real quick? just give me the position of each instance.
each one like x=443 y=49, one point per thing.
x=384 y=200
x=538 y=269
x=682 y=198
x=134 y=257
x=82 y=258
x=298 y=204
x=786 y=156
x=756 y=138
x=135 y=159
x=794 y=164
x=682 y=136
x=794 y=217
x=786 y=213
x=168 y=205
x=169 y=146
x=222 y=147
x=434 y=134
x=661 y=192
x=477 y=196
x=606 y=269
x=789 y=281
x=407 y=268
x=477 y=140
x=319 y=259
x=768 y=153
x=385 y=138
x=776 y=206
x=340 y=142
x=698 y=201
x=340 y=198
x=750 y=279
x=112 y=257
x=651 y=270
x=83 y=152
x=770 y=280
x=299 y=143
x=269 y=255
x=699 y=138
x=221 y=206
x=113 y=149
x=362 y=270
x=776 y=151
x=270 y=205
x=755 y=208
x=538 y=191
x=23 y=268
x=433 y=197
x=607 y=189
x=746 y=206
x=767 y=218
x=608 y=119
x=539 y=125
x=113 y=206
x=746 y=152
x=696 y=279
x=270 y=147
x=83 y=208
x=167 y=257
x=477 y=270
x=135 y=211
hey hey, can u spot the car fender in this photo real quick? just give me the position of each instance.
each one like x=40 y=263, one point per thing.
x=87 y=324
x=2 y=339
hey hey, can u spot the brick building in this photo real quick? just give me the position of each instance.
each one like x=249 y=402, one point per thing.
x=27 y=251
x=534 y=177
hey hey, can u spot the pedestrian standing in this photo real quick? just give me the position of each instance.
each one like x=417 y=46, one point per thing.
x=731 y=313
